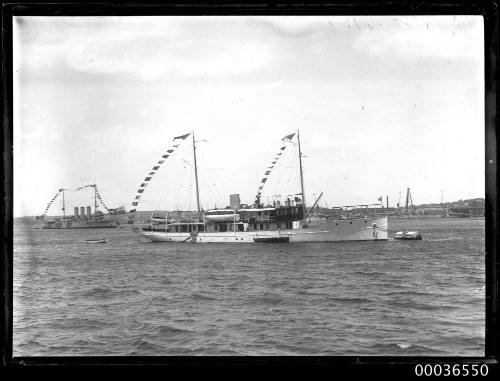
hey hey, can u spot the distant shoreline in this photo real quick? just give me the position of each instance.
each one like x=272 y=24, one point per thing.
x=430 y=216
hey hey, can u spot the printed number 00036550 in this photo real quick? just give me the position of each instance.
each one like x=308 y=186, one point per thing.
x=451 y=370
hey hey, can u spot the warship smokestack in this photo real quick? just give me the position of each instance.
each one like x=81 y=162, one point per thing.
x=76 y=211
x=82 y=211
x=89 y=211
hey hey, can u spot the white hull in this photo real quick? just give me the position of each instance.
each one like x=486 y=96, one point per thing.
x=328 y=231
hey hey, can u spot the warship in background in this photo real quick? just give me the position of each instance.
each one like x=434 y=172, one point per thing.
x=83 y=218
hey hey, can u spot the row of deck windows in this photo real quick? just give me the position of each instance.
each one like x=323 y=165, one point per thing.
x=266 y=226
x=226 y=227
x=185 y=228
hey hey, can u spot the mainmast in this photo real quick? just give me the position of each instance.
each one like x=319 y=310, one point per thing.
x=95 y=198
x=64 y=206
x=407 y=211
x=301 y=176
x=196 y=177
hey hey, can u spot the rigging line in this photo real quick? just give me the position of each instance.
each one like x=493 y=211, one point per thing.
x=290 y=171
x=297 y=181
x=313 y=183
x=325 y=160
x=280 y=175
x=283 y=176
x=99 y=197
x=190 y=187
x=185 y=180
x=317 y=188
x=231 y=168
x=220 y=195
x=293 y=175
x=210 y=189
x=288 y=176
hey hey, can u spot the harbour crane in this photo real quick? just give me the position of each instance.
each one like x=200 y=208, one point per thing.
x=409 y=200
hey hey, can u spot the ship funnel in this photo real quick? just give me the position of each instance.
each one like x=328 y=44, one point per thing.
x=76 y=211
x=82 y=211
x=234 y=201
x=89 y=211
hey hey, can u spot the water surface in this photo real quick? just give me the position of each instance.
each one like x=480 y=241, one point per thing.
x=129 y=297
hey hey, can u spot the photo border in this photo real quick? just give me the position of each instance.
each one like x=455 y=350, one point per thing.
x=369 y=364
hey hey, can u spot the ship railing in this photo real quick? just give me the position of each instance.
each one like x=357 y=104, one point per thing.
x=260 y=219
x=265 y=219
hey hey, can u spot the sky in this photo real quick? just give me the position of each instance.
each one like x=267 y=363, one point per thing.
x=382 y=104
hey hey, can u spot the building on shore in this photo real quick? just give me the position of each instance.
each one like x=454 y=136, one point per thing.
x=461 y=208
x=357 y=211
x=431 y=210
x=466 y=211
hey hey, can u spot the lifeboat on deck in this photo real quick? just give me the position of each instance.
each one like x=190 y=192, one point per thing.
x=221 y=216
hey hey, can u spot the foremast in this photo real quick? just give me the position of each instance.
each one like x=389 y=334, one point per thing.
x=301 y=176
x=95 y=197
x=196 y=177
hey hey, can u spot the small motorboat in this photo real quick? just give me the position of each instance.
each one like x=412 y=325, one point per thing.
x=102 y=240
x=408 y=235
x=272 y=239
